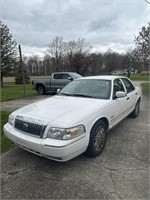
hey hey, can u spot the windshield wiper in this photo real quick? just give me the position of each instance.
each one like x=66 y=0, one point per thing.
x=76 y=95
x=82 y=95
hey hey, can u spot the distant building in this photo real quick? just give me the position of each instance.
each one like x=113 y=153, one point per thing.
x=123 y=71
x=119 y=71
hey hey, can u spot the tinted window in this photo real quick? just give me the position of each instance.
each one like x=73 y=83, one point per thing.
x=57 y=76
x=129 y=86
x=61 y=76
x=65 y=76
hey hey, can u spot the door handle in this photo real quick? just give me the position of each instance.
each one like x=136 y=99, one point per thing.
x=128 y=98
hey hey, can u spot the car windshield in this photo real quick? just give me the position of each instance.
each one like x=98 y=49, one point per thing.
x=88 y=88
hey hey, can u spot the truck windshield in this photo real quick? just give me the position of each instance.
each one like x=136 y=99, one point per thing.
x=75 y=75
x=88 y=88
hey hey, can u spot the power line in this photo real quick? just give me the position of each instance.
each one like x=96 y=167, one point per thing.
x=147 y=1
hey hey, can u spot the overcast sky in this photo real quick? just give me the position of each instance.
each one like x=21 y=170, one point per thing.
x=103 y=23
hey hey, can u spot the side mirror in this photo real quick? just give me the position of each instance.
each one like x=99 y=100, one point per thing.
x=58 y=90
x=70 y=78
x=120 y=94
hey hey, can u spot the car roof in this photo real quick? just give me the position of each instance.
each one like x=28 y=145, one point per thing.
x=106 y=77
x=65 y=73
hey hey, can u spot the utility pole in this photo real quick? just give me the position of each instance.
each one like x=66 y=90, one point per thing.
x=22 y=67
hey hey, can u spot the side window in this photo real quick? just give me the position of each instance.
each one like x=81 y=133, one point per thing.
x=57 y=76
x=61 y=76
x=118 y=86
x=65 y=76
x=129 y=86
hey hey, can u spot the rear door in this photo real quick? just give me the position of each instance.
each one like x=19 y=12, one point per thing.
x=131 y=94
x=119 y=104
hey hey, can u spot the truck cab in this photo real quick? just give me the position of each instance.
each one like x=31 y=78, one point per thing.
x=56 y=81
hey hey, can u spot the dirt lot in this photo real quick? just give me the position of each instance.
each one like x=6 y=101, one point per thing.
x=121 y=172
x=15 y=104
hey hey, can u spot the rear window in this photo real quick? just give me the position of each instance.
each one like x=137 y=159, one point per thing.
x=129 y=86
x=61 y=76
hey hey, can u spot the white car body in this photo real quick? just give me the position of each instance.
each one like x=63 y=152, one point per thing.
x=67 y=112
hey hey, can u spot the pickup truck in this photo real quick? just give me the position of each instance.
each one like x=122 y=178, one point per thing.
x=56 y=81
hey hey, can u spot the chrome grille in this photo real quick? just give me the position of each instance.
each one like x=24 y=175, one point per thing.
x=35 y=130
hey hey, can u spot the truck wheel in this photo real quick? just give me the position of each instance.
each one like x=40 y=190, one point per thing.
x=40 y=90
x=97 y=139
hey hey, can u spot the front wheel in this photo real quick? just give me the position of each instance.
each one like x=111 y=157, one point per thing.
x=97 y=139
x=40 y=90
x=136 y=110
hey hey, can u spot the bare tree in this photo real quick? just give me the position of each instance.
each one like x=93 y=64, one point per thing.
x=77 y=52
x=47 y=63
x=57 y=50
x=95 y=63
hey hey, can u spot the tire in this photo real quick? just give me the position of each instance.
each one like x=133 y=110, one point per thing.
x=97 y=139
x=136 y=110
x=40 y=90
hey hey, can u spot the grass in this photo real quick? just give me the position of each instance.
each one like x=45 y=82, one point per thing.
x=139 y=77
x=12 y=91
x=145 y=88
x=6 y=144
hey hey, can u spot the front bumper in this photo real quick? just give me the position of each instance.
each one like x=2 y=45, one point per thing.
x=53 y=149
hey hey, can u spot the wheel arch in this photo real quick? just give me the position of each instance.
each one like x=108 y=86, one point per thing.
x=39 y=84
x=91 y=151
x=139 y=99
x=105 y=120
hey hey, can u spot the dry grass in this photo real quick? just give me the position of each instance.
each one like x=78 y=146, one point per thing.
x=12 y=79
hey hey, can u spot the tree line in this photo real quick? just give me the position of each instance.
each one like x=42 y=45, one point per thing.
x=80 y=60
x=73 y=55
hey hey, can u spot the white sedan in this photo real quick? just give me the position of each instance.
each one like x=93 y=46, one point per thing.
x=76 y=120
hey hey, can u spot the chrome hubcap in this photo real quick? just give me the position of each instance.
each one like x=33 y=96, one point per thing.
x=99 y=138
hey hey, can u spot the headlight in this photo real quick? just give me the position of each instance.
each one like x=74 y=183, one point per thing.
x=11 y=120
x=65 y=134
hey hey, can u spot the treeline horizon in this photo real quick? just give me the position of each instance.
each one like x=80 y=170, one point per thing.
x=76 y=56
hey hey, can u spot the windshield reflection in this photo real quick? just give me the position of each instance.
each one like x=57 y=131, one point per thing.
x=88 y=88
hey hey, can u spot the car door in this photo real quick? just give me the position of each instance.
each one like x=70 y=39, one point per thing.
x=131 y=94
x=65 y=79
x=60 y=80
x=119 y=104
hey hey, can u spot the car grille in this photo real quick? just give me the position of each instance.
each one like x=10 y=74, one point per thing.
x=35 y=130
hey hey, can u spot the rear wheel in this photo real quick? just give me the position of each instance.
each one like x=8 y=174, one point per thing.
x=97 y=139
x=40 y=90
x=136 y=110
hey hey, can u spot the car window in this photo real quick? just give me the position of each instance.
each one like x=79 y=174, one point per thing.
x=129 y=86
x=61 y=76
x=118 y=86
x=65 y=76
x=75 y=75
x=57 y=76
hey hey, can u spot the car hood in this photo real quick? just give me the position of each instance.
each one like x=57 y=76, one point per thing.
x=63 y=109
